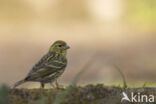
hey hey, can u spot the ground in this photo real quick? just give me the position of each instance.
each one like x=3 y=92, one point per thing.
x=89 y=94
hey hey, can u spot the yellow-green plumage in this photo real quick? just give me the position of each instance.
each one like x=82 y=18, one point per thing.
x=50 y=67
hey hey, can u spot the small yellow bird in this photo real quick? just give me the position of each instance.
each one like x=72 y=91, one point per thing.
x=50 y=66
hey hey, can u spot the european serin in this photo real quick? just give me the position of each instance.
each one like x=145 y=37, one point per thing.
x=50 y=67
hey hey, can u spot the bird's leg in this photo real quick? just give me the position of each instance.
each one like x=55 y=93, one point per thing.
x=57 y=85
x=42 y=85
x=52 y=85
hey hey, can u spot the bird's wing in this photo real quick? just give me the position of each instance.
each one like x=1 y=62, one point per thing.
x=38 y=67
x=45 y=66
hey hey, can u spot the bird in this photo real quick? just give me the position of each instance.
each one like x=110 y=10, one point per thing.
x=49 y=67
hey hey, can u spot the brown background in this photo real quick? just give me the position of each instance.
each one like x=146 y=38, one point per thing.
x=119 y=32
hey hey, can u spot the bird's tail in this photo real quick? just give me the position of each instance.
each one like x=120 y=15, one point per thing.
x=18 y=83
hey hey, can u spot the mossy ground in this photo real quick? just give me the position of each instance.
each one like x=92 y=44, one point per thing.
x=90 y=94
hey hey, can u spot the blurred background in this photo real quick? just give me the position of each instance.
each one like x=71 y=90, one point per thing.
x=120 y=32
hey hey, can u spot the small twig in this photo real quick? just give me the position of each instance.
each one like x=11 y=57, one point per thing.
x=122 y=75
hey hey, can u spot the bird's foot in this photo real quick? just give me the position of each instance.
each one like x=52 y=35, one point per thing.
x=58 y=86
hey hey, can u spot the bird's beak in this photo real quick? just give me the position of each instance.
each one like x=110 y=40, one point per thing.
x=67 y=47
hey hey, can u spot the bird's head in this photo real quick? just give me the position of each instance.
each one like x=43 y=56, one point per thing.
x=59 y=47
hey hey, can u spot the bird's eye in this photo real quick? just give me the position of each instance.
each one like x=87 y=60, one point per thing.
x=59 y=45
